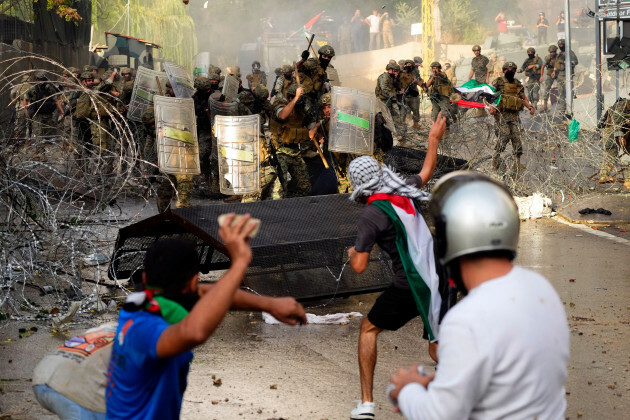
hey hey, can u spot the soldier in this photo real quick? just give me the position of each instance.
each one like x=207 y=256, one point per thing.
x=81 y=118
x=288 y=129
x=560 y=71
x=318 y=73
x=257 y=76
x=92 y=69
x=283 y=81
x=417 y=61
x=410 y=96
x=506 y=115
x=386 y=88
x=532 y=66
x=126 y=87
x=22 y=122
x=204 y=128
x=215 y=79
x=479 y=66
x=40 y=102
x=449 y=71
x=440 y=90
x=549 y=65
x=615 y=133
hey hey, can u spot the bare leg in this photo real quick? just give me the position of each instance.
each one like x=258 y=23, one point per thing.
x=433 y=351
x=367 y=358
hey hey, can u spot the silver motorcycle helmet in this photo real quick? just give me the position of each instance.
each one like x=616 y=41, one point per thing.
x=473 y=213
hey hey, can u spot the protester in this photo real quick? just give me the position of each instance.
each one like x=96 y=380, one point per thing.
x=415 y=290
x=158 y=328
x=504 y=348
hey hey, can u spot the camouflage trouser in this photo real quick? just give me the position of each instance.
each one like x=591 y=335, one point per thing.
x=292 y=164
x=270 y=186
x=611 y=150
x=442 y=104
x=342 y=161
x=562 y=93
x=43 y=125
x=165 y=192
x=547 y=84
x=100 y=136
x=533 y=91
x=379 y=155
x=508 y=128
x=21 y=122
x=413 y=102
x=205 y=150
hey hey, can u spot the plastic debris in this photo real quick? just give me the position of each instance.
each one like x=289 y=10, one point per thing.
x=534 y=207
x=339 y=318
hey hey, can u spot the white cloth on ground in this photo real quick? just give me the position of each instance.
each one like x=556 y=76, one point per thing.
x=340 y=318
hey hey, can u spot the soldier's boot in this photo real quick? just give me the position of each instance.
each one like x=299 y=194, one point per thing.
x=416 y=125
x=544 y=107
x=517 y=164
x=604 y=177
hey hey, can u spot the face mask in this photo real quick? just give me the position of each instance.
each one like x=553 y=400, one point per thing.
x=408 y=69
x=531 y=55
x=323 y=62
x=561 y=48
x=509 y=75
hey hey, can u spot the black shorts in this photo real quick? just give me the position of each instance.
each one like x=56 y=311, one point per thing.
x=393 y=309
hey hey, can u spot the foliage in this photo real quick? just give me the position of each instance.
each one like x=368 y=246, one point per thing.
x=459 y=22
x=64 y=10
x=407 y=14
x=163 y=22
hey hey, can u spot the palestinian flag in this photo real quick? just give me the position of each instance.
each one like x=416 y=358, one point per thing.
x=415 y=246
x=308 y=26
x=473 y=95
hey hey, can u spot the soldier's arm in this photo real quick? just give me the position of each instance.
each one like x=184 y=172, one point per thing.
x=286 y=111
x=470 y=75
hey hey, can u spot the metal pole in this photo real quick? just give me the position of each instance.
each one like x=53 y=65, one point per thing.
x=128 y=19
x=567 y=61
x=598 y=64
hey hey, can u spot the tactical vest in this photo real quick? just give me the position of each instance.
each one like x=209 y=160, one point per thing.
x=255 y=79
x=531 y=73
x=441 y=85
x=510 y=97
x=550 y=64
x=406 y=79
x=383 y=80
x=289 y=131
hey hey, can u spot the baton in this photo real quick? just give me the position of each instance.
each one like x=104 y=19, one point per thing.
x=310 y=44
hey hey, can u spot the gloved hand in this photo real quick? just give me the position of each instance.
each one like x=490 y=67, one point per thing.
x=305 y=55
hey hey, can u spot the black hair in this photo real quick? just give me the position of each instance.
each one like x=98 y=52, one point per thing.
x=170 y=263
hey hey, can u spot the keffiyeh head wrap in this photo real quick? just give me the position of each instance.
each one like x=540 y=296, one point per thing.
x=368 y=177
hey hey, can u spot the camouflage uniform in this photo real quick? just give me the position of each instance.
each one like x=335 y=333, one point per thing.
x=21 y=119
x=204 y=128
x=293 y=142
x=616 y=124
x=549 y=64
x=411 y=96
x=386 y=88
x=507 y=120
x=532 y=81
x=42 y=103
x=479 y=67
x=440 y=90
x=560 y=69
x=450 y=73
x=256 y=78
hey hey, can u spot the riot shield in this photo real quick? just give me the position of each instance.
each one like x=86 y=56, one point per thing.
x=230 y=87
x=238 y=142
x=383 y=109
x=351 y=121
x=144 y=88
x=333 y=76
x=221 y=108
x=180 y=79
x=176 y=131
x=202 y=63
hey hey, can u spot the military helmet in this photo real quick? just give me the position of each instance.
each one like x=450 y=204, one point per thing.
x=278 y=71
x=531 y=50
x=148 y=116
x=86 y=75
x=234 y=71
x=261 y=91
x=214 y=69
x=125 y=70
x=326 y=50
x=246 y=98
x=214 y=77
x=25 y=78
x=561 y=42
x=553 y=48
x=326 y=99
x=66 y=72
x=286 y=68
x=476 y=48
x=392 y=66
x=493 y=55
x=203 y=83
x=256 y=62
x=401 y=62
x=409 y=62
x=292 y=91
x=472 y=214
x=40 y=75
x=74 y=70
x=436 y=64
x=417 y=59
x=89 y=67
x=509 y=64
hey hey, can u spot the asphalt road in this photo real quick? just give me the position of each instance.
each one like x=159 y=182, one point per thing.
x=310 y=372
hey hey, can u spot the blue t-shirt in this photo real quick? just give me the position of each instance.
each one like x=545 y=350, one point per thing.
x=140 y=385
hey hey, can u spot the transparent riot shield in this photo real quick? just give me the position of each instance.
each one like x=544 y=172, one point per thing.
x=221 y=108
x=333 y=76
x=144 y=88
x=230 y=87
x=389 y=121
x=237 y=141
x=351 y=121
x=202 y=63
x=176 y=131
x=180 y=79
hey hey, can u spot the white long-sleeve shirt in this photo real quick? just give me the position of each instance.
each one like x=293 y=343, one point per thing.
x=503 y=353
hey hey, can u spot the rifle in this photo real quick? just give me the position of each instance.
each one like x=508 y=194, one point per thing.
x=276 y=164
